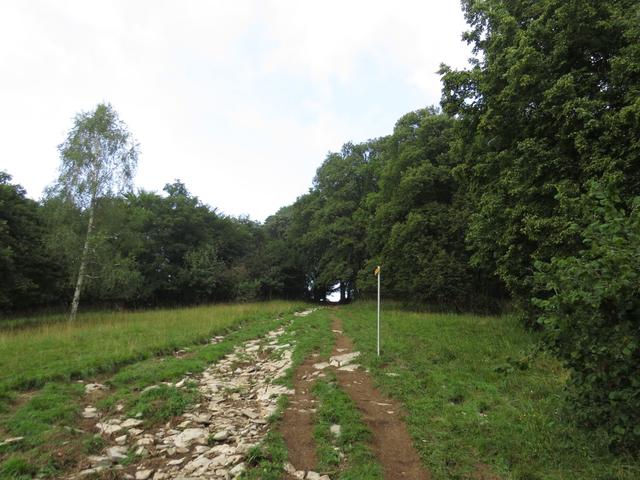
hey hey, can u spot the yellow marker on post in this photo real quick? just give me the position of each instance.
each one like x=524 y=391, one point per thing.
x=377 y=273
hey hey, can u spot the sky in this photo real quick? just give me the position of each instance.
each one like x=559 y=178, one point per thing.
x=241 y=100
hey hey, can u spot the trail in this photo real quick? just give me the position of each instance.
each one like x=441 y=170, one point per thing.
x=391 y=442
x=212 y=439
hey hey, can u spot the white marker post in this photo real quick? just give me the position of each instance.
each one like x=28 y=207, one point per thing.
x=377 y=272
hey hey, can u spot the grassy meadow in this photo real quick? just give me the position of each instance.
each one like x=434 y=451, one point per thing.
x=479 y=396
x=41 y=367
x=103 y=341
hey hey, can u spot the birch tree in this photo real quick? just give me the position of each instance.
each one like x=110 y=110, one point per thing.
x=98 y=159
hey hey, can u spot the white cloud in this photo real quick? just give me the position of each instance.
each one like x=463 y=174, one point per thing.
x=240 y=100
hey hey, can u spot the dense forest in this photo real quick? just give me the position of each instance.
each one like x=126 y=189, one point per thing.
x=523 y=186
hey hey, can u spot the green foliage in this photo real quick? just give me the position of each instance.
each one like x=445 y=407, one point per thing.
x=26 y=271
x=549 y=105
x=99 y=157
x=542 y=109
x=592 y=313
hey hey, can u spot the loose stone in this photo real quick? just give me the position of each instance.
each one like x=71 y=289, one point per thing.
x=143 y=474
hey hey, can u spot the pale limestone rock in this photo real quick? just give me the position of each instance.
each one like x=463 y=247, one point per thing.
x=117 y=453
x=143 y=474
x=99 y=461
x=131 y=422
x=90 y=412
x=237 y=470
x=189 y=436
x=343 y=359
x=221 y=435
x=93 y=387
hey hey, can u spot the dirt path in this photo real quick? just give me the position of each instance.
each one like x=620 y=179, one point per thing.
x=391 y=442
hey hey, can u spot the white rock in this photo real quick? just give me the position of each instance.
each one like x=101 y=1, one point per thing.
x=237 y=470
x=117 y=453
x=99 y=461
x=143 y=474
x=221 y=435
x=335 y=430
x=91 y=471
x=320 y=366
x=189 y=436
x=312 y=476
x=90 y=412
x=108 y=428
x=92 y=387
x=352 y=367
x=131 y=422
x=344 y=359
x=149 y=388
x=9 y=441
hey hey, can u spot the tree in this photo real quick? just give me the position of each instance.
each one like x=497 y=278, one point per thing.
x=98 y=158
x=549 y=104
x=26 y=271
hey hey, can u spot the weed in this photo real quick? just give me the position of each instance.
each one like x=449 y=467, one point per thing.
x=17 y=468
x=94 y=444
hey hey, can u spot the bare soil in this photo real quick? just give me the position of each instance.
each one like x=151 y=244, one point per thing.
x=391 y=442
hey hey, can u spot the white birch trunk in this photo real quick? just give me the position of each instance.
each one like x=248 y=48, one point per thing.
x=83 y=266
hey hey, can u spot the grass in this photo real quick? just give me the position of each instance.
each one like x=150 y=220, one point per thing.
x=47 y=418
x=478 y=393
x=104 y=341
x=336 y=407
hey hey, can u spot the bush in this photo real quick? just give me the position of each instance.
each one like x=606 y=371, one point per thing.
x=591 y=314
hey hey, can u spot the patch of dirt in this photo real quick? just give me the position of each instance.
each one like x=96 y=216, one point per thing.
x=298 y=420
x=483 y=472
x=391 y=442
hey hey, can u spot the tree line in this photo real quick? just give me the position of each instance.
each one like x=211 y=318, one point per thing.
x=523 y=186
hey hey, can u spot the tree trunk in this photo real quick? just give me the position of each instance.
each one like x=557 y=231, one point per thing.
x=83 y=266
x=343 y=289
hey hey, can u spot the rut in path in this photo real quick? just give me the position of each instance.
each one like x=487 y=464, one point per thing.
x=391 y=442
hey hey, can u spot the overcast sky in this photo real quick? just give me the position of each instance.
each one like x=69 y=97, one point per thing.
x=241 y=100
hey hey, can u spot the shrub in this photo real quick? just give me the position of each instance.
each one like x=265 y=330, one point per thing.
x=591 y=314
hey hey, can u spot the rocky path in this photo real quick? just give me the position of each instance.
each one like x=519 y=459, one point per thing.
x=211 y=440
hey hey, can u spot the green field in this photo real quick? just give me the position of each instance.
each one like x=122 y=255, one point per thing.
x=478 y=392
x=479 y=395
x=41 y=365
